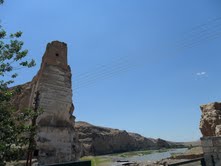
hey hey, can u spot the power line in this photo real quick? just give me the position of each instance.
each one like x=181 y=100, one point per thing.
x=121 y=64
x=104 y=75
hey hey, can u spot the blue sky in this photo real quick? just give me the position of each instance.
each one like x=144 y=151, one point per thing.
x=144 y=66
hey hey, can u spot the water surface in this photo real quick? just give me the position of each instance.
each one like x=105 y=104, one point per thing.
x=156 y=156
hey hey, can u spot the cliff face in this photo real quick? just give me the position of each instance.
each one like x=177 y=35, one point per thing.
x=210 y=123
x=100 y=140
x=57 y=140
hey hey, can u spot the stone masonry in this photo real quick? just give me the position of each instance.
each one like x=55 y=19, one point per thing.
x=212 y=150
x=210 y=128
x=57 y=140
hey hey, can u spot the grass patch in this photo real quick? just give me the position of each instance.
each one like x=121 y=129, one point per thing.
x=96 y=160
x=134 y=153
x=139 y=153
x=107 y=159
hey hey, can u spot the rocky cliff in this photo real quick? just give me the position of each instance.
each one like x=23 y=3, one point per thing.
x=100 y=140
x=57 y=140
x=210 y=123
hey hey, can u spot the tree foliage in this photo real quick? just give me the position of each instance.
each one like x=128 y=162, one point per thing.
x=14 y=127
x=14 y=132
x=11 y=56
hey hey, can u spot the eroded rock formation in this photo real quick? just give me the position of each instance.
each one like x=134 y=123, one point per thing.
x=57 y=140
x=100 y=140
x=210 y=123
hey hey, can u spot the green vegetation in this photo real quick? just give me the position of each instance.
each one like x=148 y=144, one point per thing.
x=139 y=153
x=107 y=159
x=133 y=153
x=97 y=160
x=15 y=129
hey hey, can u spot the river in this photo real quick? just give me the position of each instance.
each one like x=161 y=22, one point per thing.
x=149 y=158
x=111 y=160
x=156 y=156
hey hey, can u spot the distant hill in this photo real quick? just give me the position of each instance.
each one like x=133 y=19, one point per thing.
x=98 y=140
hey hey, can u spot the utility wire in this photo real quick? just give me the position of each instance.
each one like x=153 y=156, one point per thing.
x=101 y=67
x=206 y=33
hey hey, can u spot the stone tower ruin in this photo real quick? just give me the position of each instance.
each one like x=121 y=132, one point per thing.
x=57 y=139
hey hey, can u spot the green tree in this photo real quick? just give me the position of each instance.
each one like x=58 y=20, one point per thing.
x=14 y=130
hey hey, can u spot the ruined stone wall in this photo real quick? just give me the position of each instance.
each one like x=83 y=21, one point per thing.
x=212 y=150
x=210 y=128
x=57 y=140
x=211 y=119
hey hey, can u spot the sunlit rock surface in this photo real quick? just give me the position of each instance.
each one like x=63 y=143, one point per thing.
x=211 y=119
x=57 y=140
x=98 y=140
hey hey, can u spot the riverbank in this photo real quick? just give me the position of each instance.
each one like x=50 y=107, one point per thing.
x=192 y=153
x=139 y=158
x=147 y=157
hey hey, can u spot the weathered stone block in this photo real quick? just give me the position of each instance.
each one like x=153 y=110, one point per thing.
x=217 y=150
x=217 y=141
x=212 y=154
x=208 y=149
x=206 y=142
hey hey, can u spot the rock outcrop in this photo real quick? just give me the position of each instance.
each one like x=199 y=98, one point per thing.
x=57 y=140
x=100 y=140
x=210 y=123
